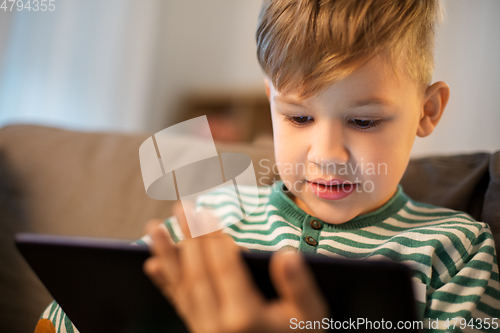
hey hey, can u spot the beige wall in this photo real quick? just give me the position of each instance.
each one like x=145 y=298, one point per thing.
x=206 y=45
x=5 y=19
x=467 y=58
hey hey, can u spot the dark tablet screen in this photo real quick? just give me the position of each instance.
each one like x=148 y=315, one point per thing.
x=101 y=286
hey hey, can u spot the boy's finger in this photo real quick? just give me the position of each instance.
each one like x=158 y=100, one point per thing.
x=152 y=268
x=231 y=276
x=164 y=249
x=295 y=283
x=155 y=270
x=197 y=284
x=150 y=225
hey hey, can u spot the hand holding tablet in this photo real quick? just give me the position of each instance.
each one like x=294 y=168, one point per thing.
x=211 y=288
x=210 y=285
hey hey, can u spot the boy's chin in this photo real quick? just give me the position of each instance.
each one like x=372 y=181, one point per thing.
x=336 y=216
x=329 y=212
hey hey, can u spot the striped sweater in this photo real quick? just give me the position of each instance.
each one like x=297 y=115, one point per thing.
x=452 y=255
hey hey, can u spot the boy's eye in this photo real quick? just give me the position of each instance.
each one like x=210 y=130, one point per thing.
x=298 y=120
x=364 y=124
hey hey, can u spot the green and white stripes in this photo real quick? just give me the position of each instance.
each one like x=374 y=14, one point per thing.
x=59 y=319
x=452 y=256
x=450 y=253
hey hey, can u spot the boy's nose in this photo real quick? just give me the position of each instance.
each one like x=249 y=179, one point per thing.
x=328 y=146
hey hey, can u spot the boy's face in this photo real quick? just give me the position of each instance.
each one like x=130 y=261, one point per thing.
x=358 y=131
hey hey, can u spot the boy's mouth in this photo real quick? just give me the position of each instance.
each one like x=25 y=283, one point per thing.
x=331 y=182
x=332 y=189
x=337 y=187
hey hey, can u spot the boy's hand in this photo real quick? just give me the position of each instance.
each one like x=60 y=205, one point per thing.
x=212 y=290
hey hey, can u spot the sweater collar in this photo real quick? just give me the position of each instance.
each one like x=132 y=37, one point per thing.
x=295 y=215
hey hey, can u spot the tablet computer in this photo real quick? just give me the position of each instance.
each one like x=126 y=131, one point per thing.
x=101 y=286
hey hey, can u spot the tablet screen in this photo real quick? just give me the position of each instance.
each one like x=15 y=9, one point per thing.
x=101 y=286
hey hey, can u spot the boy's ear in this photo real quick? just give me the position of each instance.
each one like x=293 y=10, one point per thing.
x=436 y=97
x=268 y=89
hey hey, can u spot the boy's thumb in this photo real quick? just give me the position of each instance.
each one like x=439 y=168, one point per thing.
x=296 y=286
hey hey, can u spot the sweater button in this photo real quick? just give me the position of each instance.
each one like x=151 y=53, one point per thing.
x=316 y=225
x=311 y=241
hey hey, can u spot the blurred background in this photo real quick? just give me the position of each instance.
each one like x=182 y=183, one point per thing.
x=140 y=66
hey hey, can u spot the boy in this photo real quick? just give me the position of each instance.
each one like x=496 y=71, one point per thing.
x=349 y=87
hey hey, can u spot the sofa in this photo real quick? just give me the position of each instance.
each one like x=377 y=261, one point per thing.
x=56 y=181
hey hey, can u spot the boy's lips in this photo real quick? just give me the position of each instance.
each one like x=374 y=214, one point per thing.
x=332 y=189
x=330 y=182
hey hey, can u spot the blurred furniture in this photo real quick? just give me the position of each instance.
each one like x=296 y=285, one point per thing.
x=232 y=116
x=89 y=184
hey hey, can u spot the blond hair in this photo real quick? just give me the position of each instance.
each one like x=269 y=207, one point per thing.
x=305 y=45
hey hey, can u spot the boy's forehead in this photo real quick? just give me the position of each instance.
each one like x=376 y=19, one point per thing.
x=374 y=83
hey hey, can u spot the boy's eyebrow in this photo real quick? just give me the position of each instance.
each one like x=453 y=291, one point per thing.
x=372 y=101
x=288 y=100
x=363 y=102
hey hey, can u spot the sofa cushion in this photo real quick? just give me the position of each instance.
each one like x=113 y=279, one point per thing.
x=491 y=207
x=22 y=295
x=73 y=183
x=89 y=184
x=467 y=182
